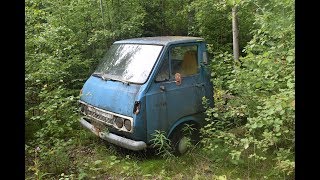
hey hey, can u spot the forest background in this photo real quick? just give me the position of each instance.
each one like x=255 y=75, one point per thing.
x=252 y=134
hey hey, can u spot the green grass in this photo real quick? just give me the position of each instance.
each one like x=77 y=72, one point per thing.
x=93 y=158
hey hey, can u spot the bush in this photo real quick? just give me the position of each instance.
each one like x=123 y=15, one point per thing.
x=258 y=92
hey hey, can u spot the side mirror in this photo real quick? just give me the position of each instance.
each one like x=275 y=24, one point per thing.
x=178 y=79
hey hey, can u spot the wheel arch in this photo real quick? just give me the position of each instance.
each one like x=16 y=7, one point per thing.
x=182 y=121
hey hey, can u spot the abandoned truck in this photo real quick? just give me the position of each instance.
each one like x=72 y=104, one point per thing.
x=146 y=84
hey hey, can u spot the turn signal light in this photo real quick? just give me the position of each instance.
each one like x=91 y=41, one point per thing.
x=127 y=124
x=136 y=108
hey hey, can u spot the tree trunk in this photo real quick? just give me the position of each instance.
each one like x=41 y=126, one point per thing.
x=102 y=15
x=235 y=32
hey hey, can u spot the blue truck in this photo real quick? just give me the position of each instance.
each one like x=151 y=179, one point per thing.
x=146 y=84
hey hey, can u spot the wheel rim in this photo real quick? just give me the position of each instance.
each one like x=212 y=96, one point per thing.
x=183 y=145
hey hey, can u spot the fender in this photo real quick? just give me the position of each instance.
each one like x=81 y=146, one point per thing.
x=194 y=118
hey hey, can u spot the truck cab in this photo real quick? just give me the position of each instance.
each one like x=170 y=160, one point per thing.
x=146 y=84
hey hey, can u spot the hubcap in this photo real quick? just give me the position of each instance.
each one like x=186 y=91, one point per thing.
x=183 y=145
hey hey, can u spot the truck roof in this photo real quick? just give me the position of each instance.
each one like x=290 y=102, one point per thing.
x=161 y=40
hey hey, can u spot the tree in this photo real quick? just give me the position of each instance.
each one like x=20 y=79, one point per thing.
x=258 y=98
x=235 y=33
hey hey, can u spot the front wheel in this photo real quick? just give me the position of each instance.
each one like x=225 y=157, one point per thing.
x=183 y=137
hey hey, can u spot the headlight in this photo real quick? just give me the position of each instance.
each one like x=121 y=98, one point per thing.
x=118 y=122
x=127 y=124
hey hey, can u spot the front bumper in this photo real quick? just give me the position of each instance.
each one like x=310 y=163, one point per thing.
x=115 y=139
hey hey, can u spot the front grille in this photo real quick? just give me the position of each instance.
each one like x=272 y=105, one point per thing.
x=103 y=116
x=100 y=117
x=97 y=114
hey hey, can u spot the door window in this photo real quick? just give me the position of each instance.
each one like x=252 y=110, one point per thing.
x=163 y=74
x=184 y=60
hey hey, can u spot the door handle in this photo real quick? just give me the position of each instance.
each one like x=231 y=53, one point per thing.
x=199 y=84
x=162 y=88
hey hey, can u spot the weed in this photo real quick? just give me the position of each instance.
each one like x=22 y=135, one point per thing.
x=36 y=168
x=162 y=143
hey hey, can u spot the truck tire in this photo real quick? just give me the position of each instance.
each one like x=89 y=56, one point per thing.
x=180 y=142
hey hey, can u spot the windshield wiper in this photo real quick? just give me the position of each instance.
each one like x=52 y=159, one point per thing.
x=97 y=74
x=111 y=79
x=104 y=77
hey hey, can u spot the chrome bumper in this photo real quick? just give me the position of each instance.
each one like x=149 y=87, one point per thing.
x=115 y=139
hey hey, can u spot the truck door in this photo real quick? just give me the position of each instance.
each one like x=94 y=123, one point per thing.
x=184 y=99
x=166 y=101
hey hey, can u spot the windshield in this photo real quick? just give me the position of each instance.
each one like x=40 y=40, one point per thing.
x=128 y=62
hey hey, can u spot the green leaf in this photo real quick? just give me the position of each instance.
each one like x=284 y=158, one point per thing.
x=259 y=62
x=290 y=59
x=290 y=84
x=258 y=85
x=279 y=108
x=246 y=145
x=97 y=162
x=230 y=2
x=254 y=125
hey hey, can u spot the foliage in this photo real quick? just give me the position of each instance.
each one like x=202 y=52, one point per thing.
x=36 y=167
x=212 y=20
x=166 y=17
x=253 y=117
x=162 y=144
x=64 y=41
x=259 y=92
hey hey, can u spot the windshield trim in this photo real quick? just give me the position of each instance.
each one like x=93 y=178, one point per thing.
x=129 y=82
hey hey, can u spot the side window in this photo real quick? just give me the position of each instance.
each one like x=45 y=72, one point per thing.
x=184 y=60
x=163 y=74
